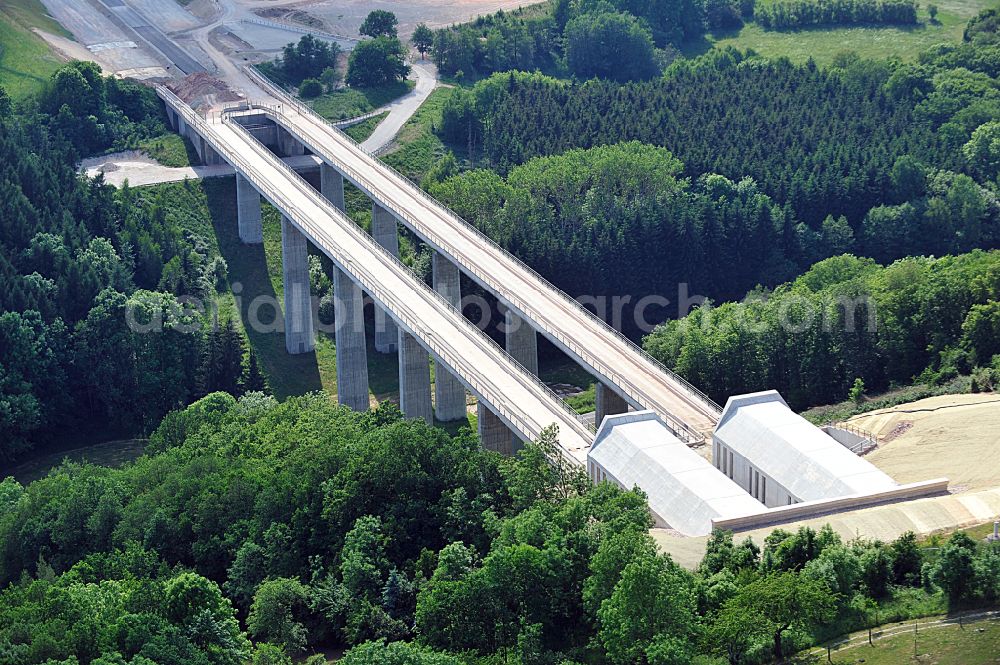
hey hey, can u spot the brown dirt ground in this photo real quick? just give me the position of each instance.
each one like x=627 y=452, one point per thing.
x=955 y=436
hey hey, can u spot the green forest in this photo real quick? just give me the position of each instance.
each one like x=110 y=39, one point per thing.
x=822 y=231
x=731 y=176
x=78 y=254
x=255 y=531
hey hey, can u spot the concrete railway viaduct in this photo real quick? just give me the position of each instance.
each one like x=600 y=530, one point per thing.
x=418 y=322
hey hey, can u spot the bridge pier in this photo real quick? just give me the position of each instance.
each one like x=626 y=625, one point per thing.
x=522 y=346
x=298 y=303
x=248 y=212
x=352 y=353
x=522 y=341
x=449 y=393
x=609 y=403
x=414 y=379
x=493 y=433
x=385 y=230
x=331 y=186
x=208 y=154
x=288 y=144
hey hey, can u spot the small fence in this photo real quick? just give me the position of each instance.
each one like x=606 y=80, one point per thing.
x=863 y=441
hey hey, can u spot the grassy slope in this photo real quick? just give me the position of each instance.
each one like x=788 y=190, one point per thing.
x=352 y=102
x=26 y=61
x=822 y=44
x=170 y=150
x=363 y=130
x=419 y=147
x=973 y=644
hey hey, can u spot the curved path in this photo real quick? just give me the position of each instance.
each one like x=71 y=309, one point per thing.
x=401 y=110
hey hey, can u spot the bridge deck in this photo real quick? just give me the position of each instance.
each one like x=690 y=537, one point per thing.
x=642 y=381
x=523 y=402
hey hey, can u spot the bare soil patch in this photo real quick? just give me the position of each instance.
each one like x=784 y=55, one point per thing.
x=956 y=436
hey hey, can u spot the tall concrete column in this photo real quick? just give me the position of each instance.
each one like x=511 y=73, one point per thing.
x=609 y=403
x=248 y=211
x=522 y=341
x=493 y=433
x=289 y=145
x=386 y=233
x=331 y=186
x=449 y=393
x=172 y=118
x=298 y=303
x=352 y=353
x=414 y=379
x=196 y=141
x=209 y=155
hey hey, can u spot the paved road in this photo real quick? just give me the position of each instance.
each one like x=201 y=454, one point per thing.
x=140 y=26
x=605 y=353
x=517 y=396
x=140 y=169
x=401 y=110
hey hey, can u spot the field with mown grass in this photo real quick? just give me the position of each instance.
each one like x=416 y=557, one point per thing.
x=822 y=44
x=971 y=643
x=26 y=61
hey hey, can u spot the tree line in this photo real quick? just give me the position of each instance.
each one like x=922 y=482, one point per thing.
x=257 y=531
x=621 y=40
x=844 y=319
x=822 y=141
x=77 y=255
x=794 y=14
x=579 y=217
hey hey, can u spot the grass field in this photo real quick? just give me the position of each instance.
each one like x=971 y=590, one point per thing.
x=974 y=643
x=823 y=44
x=419 y=147
x=363 y=130
x=352 y=102
x=170 y=150
x=26 y=61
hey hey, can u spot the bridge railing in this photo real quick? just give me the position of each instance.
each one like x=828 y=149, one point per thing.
x=309 y=190
x=695 y=396
x=478 y=383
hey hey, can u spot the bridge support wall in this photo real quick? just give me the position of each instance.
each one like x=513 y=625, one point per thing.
x=298 y=303
x=289 y=145
x=248 y=212
x=331 y=186
x=208 y=155
x=522 y=346
x=449 y=393
x=522 y=341
x=609 y=403
x=414 y=379
x=493 y=433
x=352 y=353
x=385 y=230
